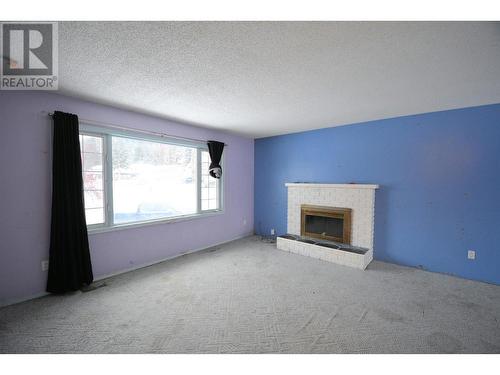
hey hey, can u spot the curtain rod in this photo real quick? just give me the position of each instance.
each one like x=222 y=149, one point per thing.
x=163 y=135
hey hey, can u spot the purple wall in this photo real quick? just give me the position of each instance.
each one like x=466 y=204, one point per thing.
x=25 y=195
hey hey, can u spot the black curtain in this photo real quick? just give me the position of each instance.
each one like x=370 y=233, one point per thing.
x=69 y=262
x=215 y=150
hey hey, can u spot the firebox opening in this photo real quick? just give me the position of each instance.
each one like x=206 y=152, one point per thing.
x=327 y=223
x=325 y=226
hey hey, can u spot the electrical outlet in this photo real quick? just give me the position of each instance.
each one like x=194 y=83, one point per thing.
x=471 y=254
x=45 y=265
x=244 y=221
x=272 y=232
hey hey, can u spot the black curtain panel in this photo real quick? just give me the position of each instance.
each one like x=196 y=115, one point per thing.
x=70 y=267
x=215 y=150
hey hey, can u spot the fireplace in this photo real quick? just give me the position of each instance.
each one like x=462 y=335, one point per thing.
x=317 y=228
x=327 y=223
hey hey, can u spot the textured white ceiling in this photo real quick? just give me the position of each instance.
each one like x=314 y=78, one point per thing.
x=268 y=78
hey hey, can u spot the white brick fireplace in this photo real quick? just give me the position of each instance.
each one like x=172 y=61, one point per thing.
x=360 y=198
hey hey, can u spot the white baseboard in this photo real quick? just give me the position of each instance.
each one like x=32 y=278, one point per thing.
x=106 y=276
x=22 y=299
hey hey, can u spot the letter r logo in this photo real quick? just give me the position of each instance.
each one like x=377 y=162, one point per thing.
x=27 y=49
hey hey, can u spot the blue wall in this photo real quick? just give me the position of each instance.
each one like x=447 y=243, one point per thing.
x=439 y=176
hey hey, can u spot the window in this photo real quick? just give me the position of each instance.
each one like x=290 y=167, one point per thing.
x=209 y=185
x=91 y=148
x=131 y=178
x=152 y=180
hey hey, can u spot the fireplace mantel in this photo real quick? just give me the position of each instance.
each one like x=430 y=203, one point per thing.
x=336 y=186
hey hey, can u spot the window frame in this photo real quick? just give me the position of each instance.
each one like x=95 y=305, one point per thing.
x=107 y=135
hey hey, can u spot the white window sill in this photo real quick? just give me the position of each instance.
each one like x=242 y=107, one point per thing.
x=103 y=229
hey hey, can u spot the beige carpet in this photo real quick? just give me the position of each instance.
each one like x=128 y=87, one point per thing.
x=248 y=297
